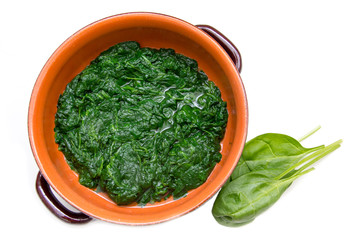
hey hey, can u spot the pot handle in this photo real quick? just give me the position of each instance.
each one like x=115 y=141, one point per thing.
x=228 y=46
x=58 y=209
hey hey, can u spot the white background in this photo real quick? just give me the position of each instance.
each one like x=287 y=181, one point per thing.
x=301 y=68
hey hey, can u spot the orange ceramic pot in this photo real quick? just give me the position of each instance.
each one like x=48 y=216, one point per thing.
x=215 y=54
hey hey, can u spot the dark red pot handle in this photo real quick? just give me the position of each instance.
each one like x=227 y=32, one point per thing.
x=58 y=209
x=228 y=46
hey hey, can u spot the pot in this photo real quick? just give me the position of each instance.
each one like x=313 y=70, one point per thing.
x=216 y=56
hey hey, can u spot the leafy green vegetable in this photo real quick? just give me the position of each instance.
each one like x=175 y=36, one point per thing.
x=272 y=151
x=141 y=123
x=269 y=164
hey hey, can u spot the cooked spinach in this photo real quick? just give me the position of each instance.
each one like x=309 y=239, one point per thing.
x=141 y=124
x=267 y=167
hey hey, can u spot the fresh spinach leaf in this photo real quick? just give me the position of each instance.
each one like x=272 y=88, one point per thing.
x=246 y=197
x=272 y=151
x=269 y=164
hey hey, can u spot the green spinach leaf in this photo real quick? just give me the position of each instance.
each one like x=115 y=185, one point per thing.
x=246 y=197
x=269 y=164
x=271 y=151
